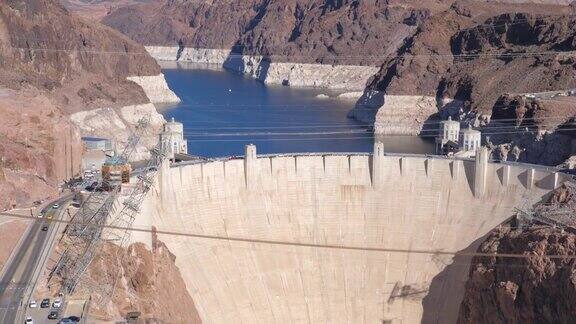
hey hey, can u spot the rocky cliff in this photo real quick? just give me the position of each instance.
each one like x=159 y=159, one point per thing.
x=146 y=280
x=97 y=9
x=475 y=52
x=53 y=64
x=536 y=290
x=321 y=43
x=540 y=128
x=539 y=289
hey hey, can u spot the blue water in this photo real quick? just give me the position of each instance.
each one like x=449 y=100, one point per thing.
x=223 y=111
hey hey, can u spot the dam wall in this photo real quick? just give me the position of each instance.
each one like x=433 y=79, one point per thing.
x=333 y=238
x=338 y=77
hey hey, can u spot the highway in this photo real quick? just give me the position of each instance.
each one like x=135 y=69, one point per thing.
x=21 y=273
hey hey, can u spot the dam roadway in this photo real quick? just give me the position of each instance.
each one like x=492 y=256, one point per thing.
x=18 y=279
x=385 y=204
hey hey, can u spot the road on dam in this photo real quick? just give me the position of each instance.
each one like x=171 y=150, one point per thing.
x=18 y=277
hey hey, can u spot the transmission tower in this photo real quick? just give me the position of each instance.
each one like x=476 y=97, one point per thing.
x=84 y=232
x=119 y=230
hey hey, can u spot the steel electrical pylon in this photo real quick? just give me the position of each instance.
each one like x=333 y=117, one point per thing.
x=84 y=233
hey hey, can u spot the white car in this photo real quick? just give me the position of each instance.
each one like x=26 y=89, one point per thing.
x=32 y=304
x=40 y=215
x=55 y=206
x=57 y=303
x=29 y=320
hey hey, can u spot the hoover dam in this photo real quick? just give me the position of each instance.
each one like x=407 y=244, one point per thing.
x=334 y=238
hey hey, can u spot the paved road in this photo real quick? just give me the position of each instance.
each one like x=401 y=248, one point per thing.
x=20 y=272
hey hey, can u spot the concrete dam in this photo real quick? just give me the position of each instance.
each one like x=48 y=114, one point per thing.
x=396 y=212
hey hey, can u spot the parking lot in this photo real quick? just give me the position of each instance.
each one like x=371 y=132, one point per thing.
x=40 y=315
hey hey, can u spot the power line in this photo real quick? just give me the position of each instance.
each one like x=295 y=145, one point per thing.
x=345 y=129
x=310 y=245
x=237 y=55
x=192 y=125
x=369 y=136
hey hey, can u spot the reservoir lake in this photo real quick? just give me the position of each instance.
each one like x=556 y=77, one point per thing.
x=222 y=111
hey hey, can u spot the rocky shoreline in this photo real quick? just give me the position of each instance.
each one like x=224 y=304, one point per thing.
x=402 y=114
x=337 y=77
x=116 y=123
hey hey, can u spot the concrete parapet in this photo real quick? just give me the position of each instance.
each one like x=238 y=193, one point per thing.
x=456 y=166
x=555 y=180
x=429 y=166
x=480 y=172
x=506 y=175
x=404 y=165
x=378 y=165
x=250 y=165
x=530 y=173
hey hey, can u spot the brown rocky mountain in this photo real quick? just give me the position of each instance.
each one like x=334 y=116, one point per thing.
x=325 y=31
x=53 y=63
x=96 y=9
x=485 y=60
x=539 y=289
x=149 y=282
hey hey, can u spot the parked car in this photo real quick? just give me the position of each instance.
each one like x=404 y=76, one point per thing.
x=57 y=303
x=66 y=321
x=32 y=304
x=45 y=228
x=53 y=315
x=28 y=320
x=75 y=319
x=45 y=303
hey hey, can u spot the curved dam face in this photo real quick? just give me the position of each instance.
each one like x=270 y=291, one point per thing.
x=389 y=204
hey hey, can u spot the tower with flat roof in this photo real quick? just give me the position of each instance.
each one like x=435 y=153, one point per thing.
x=172 y=139
x=449 y=133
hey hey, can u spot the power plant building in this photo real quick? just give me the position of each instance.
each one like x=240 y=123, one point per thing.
x=96 y=151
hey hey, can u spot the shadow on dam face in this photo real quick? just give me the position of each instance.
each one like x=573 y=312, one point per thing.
x=446 y=291
x=390 y=203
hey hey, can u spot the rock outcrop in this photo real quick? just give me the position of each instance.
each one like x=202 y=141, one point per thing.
x=475 y=52
x=148 y=281
x=97 y=9
x=116 y=124
x=341 y=77
x=316 y=43
x=156 y=88
x=539 y=289
x=53 y=64
x=541 y=127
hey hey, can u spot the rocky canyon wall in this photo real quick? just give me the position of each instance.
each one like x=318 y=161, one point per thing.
x=55 y=64
x=339 y=77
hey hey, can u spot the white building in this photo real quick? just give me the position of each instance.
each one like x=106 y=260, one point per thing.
x=172 y=139
x=471 y=140
x=449 y=132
